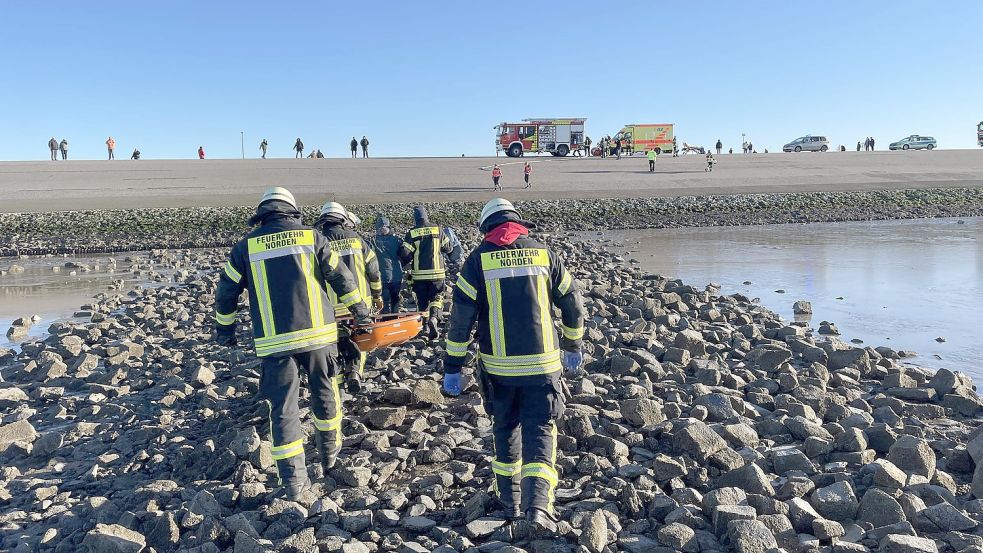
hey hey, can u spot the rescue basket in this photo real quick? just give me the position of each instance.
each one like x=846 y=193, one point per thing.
x=387 y=330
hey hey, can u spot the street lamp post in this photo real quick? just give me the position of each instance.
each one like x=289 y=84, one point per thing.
x=242 y=143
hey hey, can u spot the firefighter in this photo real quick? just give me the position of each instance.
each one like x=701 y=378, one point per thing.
x=422 y=253
x=496 y=177
x=509 y=285
x=286 y=267
x=337 y=225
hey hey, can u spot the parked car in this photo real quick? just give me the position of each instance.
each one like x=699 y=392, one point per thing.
x=807 y=143
x=914 y=142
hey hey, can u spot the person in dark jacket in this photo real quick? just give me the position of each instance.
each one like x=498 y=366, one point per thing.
x=720 y=146
x=63 y=146
x=299 y=148
x=365 y=146
x=509 y=286
x=387 y=246
x=53 y=146
x=287 y=268
x=354 y=145
x=336 y=225
x=423 y=253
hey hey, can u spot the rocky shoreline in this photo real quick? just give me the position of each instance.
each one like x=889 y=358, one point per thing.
x=703 y=423
x=77 y=232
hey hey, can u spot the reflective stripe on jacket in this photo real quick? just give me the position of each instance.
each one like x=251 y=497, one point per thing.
x=510 y=292
x=423 y=249
x=286 y=268
x=360 y=259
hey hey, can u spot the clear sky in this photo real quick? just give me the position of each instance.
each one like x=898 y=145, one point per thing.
x=433 y=78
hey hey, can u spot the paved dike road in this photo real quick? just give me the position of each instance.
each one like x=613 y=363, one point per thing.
x=122 y=184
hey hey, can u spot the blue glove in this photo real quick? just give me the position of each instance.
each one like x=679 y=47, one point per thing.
x=452 y=384
x=572 y=361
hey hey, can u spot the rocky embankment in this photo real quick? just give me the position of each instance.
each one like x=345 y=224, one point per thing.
x=143 y=229
x=702 y=423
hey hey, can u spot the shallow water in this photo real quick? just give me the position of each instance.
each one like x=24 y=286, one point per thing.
x=900 y=284
x=49 y=289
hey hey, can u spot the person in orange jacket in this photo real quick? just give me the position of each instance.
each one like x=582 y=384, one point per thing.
x=527 y=170
x=111 y=145
x=496 y=176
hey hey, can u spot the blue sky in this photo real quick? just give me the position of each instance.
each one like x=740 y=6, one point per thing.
x=433 y=78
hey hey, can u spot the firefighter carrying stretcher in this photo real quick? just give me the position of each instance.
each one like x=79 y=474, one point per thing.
x=336 y=224
x=423 y=253
x=509 y=286
x=287 y=268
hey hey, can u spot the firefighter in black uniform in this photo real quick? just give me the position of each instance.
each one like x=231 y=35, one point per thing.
x=287 y=267
x=360 y=258
x=423 y=254
x=509 y=285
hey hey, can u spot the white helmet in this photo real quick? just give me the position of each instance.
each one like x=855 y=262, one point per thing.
x=495 y=205
x=335 y=208
x=355 y=220
x=278 y=193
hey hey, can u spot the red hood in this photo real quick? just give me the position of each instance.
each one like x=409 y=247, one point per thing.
x=505 y=234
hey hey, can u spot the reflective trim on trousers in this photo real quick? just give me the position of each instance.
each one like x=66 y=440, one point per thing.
x=225 y=319
x=288 y=450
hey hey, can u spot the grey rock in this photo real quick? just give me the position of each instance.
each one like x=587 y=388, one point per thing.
x=899 y=543
x=802 y=307
x=426 y=392
x=751 y=536
x=913 y=455
x=879 y=508
x=698 y=440
x=595 y=532
x=836 y=501
x=888 y=475
x=948 y=518
x=642 y=411
x=725 y=514
x=679 y=537
x=113 y=538
x=749 y=478
x=18 y=431
x=386 y=418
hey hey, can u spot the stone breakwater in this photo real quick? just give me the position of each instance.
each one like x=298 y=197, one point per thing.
x=702 y=423
x=144 y=229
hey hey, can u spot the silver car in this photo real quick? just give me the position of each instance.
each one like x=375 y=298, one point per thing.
x=807 y=143
x=914 y=142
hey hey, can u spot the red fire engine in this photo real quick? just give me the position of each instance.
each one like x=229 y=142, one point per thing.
x=556 y=136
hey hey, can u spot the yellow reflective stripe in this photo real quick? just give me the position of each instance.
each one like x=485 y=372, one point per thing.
x=287 y=451
x=541 y=470
x=370 y=256
x=306 y=265
x=296 y=334
x=545 y=317
x=524 y=371
x=565 y=283
x=532 y=359
x=436 y=262
x=363 y=281
x=424 y=231
x=572 y=333
x=507 y=469
x=375 y=285
x=225 y=318
x=317 y=318
x=409 y=246
x=328 y=425
x=435 y=274
x=466 y=288
x=258 y=269
x=337 y=405
x=350 y=299
x=456 y=349
x=333 y=260
x=496 y=321
x=232 y=273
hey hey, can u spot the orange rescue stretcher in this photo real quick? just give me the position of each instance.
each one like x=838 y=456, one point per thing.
x=387 y=330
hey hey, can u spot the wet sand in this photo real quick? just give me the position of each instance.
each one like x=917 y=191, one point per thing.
x=76 y=185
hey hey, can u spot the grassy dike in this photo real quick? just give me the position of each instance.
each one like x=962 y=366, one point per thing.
x=163 y=228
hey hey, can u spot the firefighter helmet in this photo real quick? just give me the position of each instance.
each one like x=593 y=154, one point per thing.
x=495 y=205
x=278 y=193
x=355 y=220
x=334 y=208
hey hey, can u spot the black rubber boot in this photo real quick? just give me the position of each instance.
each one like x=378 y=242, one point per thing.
x=329 y=454
x=508 y=496
x=541 y=521
x=293 y=476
